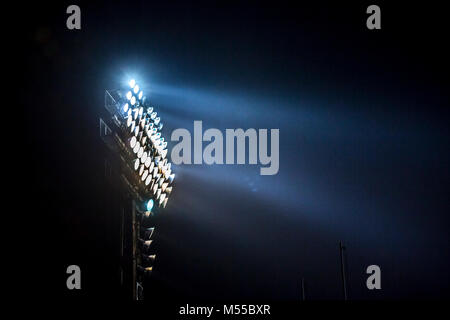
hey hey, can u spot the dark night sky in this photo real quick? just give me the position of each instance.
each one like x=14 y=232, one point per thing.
x=363 y=118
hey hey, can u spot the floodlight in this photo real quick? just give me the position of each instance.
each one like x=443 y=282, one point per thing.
x=128 y=95
x=146 y=271
x=148 y=180
x=149 y=233
x=162 y=198
x=145 y=243
x=144 y=157
x=132 y=83
x=149 y=258
x=144 y=175
x=147 y=214
x=167 y=173
x=133 y=141
x=136 y=164
x=149 y=205
x=136 y=88
x=137 y=147
x=140 y=95
x=164 y=204
x=125 y=107
x=158 y=194
x=133 y=100
x=147 y=163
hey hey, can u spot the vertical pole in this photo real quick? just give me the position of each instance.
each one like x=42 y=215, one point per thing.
x=344 y=284
x=303 y=289
x=134 y=239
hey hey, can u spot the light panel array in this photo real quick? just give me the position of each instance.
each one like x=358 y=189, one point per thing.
x=143 y=128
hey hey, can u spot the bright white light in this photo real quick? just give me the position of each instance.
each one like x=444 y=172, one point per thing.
x=158 y=194
x=162 y=198
x=129 y=121
x=165 y=202
x=133 y=141
x=149 y=205
x=148 y=161
x=144 y=157
x=136 y=147
x=140 y=95
x=148 y=180
x=133 y=100
x=144 y=175
x=129 y=94
x=136 y=164
x=136 y=89
x=132 y=83
x=125 y=107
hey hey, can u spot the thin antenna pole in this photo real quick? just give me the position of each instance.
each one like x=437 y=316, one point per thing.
x=344 y=284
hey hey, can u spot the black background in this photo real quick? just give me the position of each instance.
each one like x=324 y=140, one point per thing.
x=396 y=76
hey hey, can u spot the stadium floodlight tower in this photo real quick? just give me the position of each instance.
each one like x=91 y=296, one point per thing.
x=133 y=131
